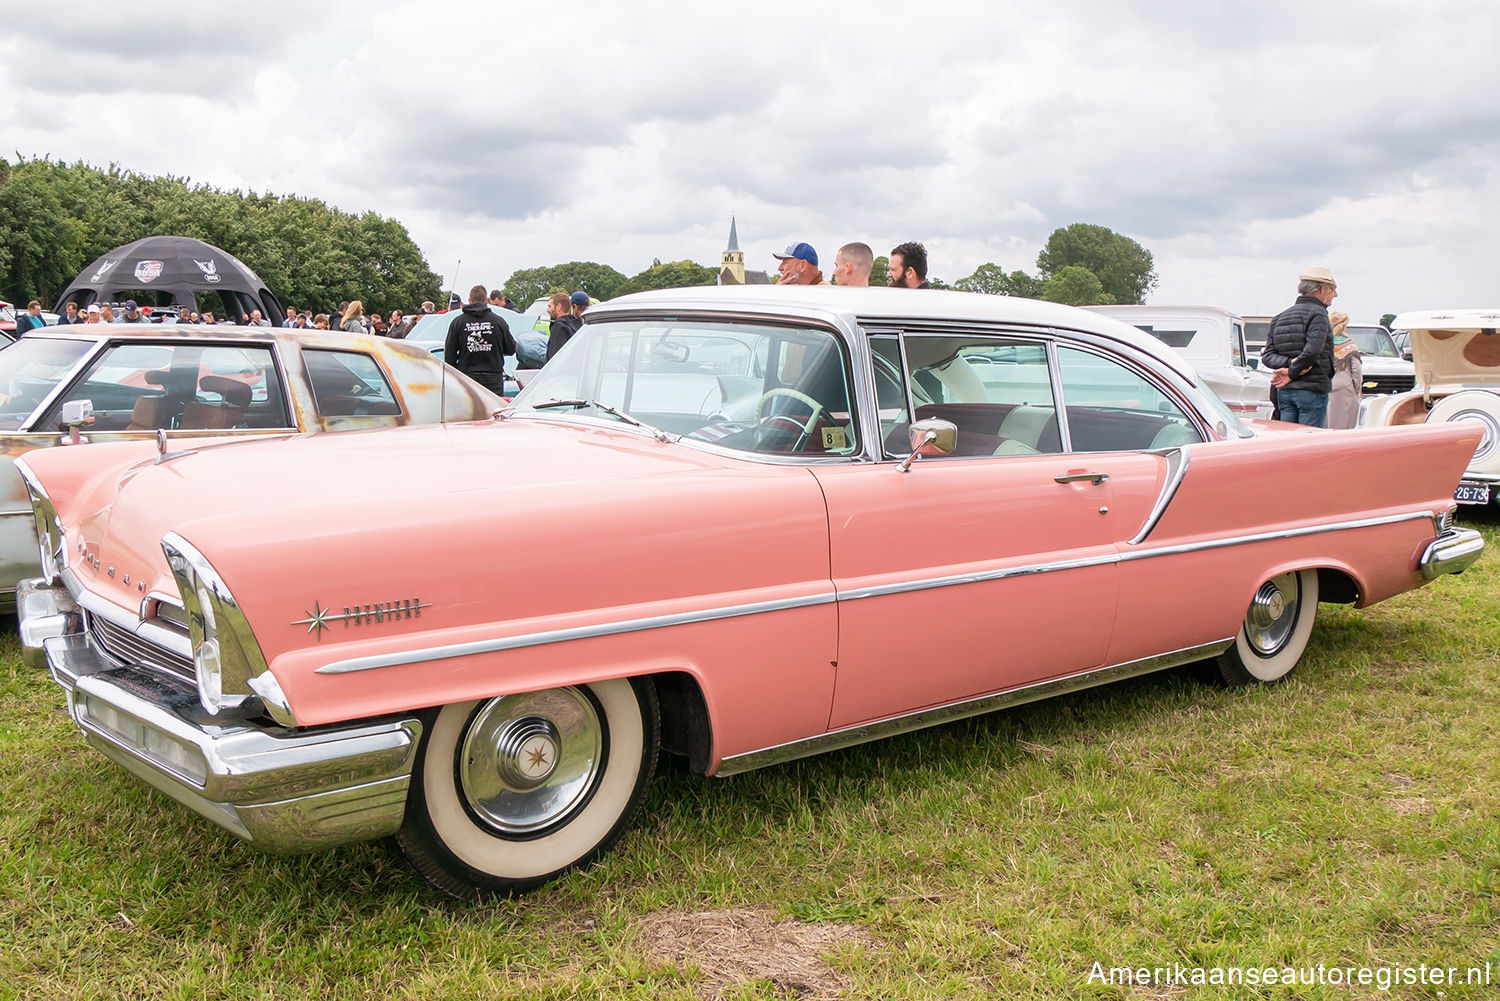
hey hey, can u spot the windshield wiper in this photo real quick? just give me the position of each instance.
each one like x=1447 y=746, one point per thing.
x=657 y=433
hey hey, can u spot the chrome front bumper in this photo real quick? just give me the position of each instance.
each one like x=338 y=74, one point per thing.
x=280 y=788
x=1453 y=551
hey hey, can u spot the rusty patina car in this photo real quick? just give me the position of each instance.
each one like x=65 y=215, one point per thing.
x=192 y=381
x=752 y=524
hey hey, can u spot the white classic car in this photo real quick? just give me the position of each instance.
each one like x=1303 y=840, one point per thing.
x=1380 y=360
x=1456 y=353
x=1213 y=340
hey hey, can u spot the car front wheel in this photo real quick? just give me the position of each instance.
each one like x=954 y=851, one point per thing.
x=512 y=791
x=1275 y=630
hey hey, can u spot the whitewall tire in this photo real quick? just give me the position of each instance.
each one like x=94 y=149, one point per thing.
x=510 y=792
x=1275 y=630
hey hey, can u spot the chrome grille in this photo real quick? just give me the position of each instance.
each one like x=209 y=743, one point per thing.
x=128 y=648
x=1388 y=383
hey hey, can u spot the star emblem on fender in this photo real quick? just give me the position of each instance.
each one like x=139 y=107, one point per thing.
x=320 y=619
x=317 y=620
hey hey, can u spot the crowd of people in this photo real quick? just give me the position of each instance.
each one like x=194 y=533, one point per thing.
x=798 y=265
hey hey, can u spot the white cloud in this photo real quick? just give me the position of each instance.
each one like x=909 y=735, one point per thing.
x=1237 y=141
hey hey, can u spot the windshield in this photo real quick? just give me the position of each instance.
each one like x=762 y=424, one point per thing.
x=1374 y=341
x=745 y=386
x=29 y=370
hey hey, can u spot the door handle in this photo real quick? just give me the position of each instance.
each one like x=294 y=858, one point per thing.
x=1094 y=478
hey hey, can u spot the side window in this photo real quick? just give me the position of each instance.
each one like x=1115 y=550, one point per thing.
x=349 y=384
x=149 y=387
x=1237 y=345
x=890 y=394
x=1113 y=408
x=996 y=390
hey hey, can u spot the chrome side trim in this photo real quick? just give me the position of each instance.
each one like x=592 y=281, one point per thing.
x=1289 y=533
x=1177 y=467
x=852 y=594
x=567 y=635
x=862 y=733
x=977 y=577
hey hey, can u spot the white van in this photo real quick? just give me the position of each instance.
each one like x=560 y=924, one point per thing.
x=1213 y=340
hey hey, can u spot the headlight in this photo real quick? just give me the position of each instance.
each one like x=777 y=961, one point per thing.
x=225 y=654
x=49 y=532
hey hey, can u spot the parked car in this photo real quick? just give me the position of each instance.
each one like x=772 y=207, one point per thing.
x=1257 y=329
x=189 y=381
x=1385 y=371
x=1457 y=357
x=1403 y=343
x=755 y=524
x=529 y=330
x=1213 y=340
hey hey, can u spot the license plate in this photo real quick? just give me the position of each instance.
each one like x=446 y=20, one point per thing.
x=1472 y=493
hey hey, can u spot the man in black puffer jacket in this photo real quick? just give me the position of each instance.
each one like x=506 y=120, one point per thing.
x=1299 y=351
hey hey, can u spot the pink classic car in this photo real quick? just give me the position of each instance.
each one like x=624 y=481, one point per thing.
x=756 y=524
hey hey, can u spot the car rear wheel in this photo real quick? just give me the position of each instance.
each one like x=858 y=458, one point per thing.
x=1275 y=631
x=510 y=792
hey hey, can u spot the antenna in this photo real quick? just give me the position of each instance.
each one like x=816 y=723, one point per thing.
x=455 y=273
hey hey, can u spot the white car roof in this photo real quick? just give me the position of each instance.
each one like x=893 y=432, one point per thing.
x=1148 y=310
x=895 y=305
x=1447 y=319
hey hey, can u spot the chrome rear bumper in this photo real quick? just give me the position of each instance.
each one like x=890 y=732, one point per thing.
x=280 y=788
x=1453 y=551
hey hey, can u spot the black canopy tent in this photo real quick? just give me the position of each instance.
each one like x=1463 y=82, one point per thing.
x=170 y=271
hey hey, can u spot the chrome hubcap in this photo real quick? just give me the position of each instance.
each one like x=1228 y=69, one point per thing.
x=529 y=760
x=1272 y=615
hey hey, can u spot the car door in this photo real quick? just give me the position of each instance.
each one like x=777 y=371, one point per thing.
x=996 y=567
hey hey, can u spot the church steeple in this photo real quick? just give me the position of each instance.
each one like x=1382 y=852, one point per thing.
x=732 y=260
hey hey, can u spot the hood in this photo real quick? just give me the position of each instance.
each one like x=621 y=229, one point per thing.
x=1454 y=348
x=489 y=484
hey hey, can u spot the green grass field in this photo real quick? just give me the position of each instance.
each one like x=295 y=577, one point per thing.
x=1346 y=818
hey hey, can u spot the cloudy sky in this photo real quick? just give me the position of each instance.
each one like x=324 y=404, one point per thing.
x=1238 y=142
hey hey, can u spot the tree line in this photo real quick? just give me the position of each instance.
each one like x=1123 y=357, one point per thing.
x=1081 y=265
x=56 y=218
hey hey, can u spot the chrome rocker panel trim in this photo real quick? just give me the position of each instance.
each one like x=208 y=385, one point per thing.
x=862 y=733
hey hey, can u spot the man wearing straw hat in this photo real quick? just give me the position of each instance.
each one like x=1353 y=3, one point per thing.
x=1299 y=351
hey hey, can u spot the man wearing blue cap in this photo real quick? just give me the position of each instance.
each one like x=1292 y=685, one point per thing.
x=799 y=265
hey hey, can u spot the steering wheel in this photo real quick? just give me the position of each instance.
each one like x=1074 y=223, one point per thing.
x=800 y=397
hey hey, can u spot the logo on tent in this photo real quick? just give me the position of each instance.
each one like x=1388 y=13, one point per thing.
x=102 y=269
x=209 y=269
x=148 y=271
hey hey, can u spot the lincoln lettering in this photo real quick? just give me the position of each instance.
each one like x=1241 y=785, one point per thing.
x=382 y=611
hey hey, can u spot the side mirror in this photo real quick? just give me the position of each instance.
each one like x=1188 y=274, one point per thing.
x=76 y=414
x=930 y=437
